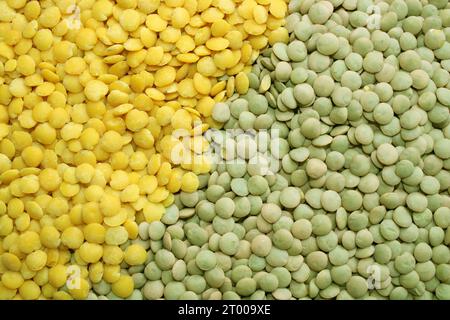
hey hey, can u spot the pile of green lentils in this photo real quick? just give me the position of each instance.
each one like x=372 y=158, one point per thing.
x=331 y=176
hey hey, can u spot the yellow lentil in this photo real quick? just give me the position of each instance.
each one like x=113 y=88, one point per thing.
x=123 y=287
x=88 y=132
x=135 y=255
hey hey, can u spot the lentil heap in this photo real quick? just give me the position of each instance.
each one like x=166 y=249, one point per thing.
x=329 y=173
x=333 y=182
x=91 y=96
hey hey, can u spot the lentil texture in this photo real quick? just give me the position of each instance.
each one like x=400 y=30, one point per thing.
x=94 y=97
x=332 y=180
x=219 y=149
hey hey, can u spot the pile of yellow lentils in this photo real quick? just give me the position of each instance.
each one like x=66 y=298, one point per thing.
x=91 y=93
